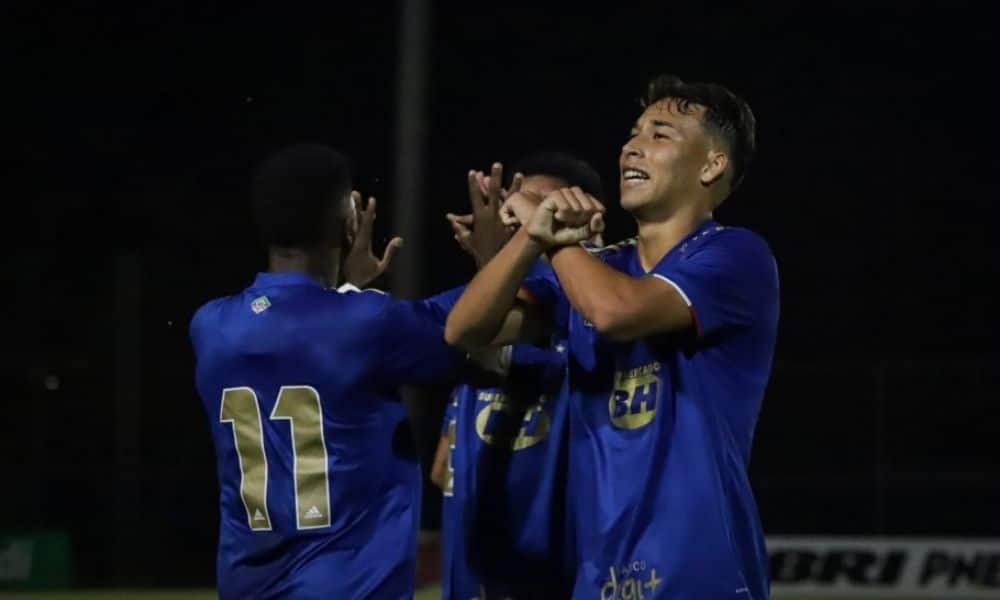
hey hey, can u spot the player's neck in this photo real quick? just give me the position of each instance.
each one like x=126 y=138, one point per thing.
x=322 y=265
x=657 y=237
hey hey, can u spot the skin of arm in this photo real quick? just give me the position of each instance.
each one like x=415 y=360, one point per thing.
x=621 y=307
x=489 y=312
x=439 y=470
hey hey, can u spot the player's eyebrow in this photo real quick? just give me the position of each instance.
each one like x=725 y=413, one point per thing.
x=656 y=123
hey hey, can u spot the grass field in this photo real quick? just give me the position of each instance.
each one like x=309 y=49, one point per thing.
x=425 y=594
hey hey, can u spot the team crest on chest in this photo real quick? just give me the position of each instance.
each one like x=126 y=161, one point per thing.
x=633 y=401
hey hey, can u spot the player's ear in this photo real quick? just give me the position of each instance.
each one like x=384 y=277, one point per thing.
x=714 y=167
x=348 y=233
x=348 y=223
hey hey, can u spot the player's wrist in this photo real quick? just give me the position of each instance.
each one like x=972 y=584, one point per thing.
x=551 y=252
x=533 y=246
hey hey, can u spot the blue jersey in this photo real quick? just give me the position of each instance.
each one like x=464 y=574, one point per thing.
x=661 y=430
x=448 y=431
x=504 y=534
x=319 y=489
x=450 y=528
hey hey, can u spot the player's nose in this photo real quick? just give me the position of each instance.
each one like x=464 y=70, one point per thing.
x=631 y=149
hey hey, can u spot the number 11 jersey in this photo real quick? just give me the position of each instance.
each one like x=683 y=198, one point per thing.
x=319 y=480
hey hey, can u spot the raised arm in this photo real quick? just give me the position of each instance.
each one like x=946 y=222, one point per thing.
x=620 y=306
x=439 y=469
x=489 y=312
x=725 y=283
x=481 y=232
x=361 y=267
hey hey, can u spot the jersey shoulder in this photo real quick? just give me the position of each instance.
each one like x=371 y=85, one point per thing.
x=368 y=302
x=738 y=251
x=737 y=239
x=205 y=315
x=373 y=316
x=308 y=305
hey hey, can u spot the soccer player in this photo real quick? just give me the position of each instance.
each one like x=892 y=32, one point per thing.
x=671 y=340
x=319 y=483
x=503 y=525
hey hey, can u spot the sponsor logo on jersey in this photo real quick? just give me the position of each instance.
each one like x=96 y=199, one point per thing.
x=633 y=401
x=632 y=581
x=500 y=423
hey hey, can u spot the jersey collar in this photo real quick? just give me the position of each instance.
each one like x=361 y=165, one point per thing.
x=679 y=249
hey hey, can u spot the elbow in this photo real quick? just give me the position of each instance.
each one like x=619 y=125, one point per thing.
x=461 y=336
x=612 y=330
x=610 y=312
x=452 y=333
x=437 y=477
x=610 y=324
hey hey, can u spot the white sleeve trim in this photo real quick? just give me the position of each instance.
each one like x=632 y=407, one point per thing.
x=350 y=287
x=676 y=287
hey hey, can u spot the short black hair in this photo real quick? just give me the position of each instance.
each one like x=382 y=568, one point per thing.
x=726 y=115
x=293 y=191
x=556 y=163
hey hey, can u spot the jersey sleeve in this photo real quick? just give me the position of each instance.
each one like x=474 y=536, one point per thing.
x=408 y=342
x=441 y=304
x=543 y=287
x=194 y=330
x=541 y=368
x=728 y=281
x=199 y=321
x=542 y=284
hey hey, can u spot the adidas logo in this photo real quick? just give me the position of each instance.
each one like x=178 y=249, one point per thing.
x=258 y=516
x=313 y=513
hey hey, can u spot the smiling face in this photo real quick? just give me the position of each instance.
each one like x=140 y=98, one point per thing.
x=668 y=160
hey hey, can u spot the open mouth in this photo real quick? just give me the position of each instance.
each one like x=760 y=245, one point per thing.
x=632 y=174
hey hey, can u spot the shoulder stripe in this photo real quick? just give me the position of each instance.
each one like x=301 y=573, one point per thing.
x=676 y=287
x=350 y=287
x=617 y=247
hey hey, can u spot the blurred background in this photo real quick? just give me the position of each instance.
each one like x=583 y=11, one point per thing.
x=131 y=130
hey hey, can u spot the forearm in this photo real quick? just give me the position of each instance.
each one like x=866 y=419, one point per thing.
x=480 y=312
x=620 y=307
x=598 y=292
x=439 y=471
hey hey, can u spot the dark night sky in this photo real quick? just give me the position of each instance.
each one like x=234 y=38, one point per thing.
x=136 y=127
x=133 y=129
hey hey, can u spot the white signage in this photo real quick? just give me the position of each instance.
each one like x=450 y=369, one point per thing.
x=885 y=567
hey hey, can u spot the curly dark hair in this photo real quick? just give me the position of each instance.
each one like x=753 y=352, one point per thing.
x=556 y=163
x=726 y=115
x=293 y=191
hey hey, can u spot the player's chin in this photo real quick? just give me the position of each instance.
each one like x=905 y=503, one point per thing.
x=633 y=199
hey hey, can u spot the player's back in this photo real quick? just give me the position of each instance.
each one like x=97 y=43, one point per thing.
x=319 y=487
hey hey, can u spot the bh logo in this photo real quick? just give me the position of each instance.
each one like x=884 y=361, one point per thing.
x=500 y=423
x=633 y=402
